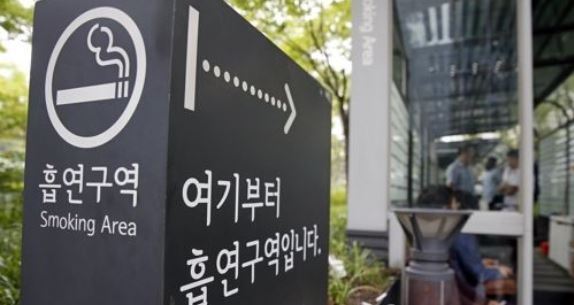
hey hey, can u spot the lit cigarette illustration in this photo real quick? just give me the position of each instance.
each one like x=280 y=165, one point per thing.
x=94 y=93
x=104 y=91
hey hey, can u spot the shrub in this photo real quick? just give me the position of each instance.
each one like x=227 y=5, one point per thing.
x=10 y=248
x=11 y=172
x=11 y=187
x=363 y=270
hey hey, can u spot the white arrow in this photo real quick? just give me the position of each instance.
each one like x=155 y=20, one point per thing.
x=291 y=118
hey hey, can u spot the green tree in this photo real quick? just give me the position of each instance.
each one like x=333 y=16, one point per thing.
x=13 y=103
x=557 y=110
x=15 y=20
x=13 y=92
x=314 y=33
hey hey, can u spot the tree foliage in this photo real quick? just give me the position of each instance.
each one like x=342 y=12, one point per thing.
x=13 y=103
x=557 y=110
x=314 y=33
x=10 y=250
x=15 y=19
x=13 y=92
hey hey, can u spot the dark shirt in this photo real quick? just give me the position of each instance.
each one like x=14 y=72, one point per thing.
x=467 y=263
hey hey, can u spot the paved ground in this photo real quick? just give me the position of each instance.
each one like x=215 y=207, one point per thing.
x=552 y=284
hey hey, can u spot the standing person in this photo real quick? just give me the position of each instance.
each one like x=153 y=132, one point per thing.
x=511 y=181
x=490 y=182
x=459 y=176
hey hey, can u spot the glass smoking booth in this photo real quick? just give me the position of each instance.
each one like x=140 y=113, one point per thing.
x=434 y=77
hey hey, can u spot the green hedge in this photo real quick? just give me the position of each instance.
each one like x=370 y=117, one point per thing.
x=10 y=248
x=11 y=187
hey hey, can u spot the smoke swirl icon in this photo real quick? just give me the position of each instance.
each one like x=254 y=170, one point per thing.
x=106 y=91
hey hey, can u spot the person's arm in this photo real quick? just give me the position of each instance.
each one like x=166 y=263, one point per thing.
x=467 y=254
x=503 y=187
x=513 y=182
x=489 y=262
x=502 y=271
x=491 y=274
x=511 y=190
x=508 y=189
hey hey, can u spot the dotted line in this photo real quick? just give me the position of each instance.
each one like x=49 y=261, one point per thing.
x=244 y=85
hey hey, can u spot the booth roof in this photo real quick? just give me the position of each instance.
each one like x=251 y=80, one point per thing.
x=466 y=83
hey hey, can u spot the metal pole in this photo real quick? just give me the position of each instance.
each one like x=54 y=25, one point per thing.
x=526 y=121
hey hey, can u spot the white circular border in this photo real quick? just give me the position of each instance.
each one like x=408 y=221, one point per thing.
x=139 y=46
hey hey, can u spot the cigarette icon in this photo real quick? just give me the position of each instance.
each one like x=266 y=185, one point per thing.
x=94 y=93
x=116 y=56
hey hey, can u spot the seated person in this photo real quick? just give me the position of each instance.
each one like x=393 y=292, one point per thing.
x=471 y=271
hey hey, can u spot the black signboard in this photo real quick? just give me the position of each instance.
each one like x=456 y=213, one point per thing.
x=174 y=156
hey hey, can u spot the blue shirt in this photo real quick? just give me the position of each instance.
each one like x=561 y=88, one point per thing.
x=459 y=177
x=467 y=263
x=490 y=183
